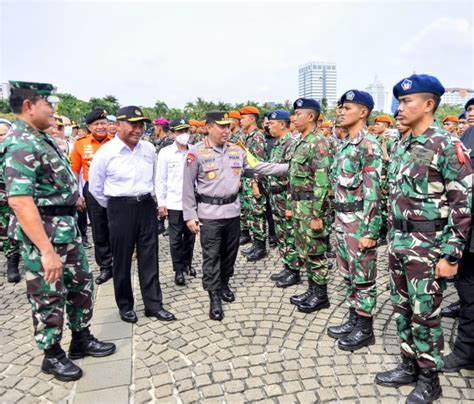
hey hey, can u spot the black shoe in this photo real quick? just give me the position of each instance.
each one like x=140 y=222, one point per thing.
x=318 y=300
x=61 y=367
x=272 y=241
x=215 y=310
x=340 y=331
x=13 y=273
x=361 y=335
x=191 y=271
x=227 y=294
x=161 y=226
x=299 y=299
x=162 y=314
x=83 y=343
x=452 y=310
x=258 y=253
x=290 y=279
x=86 y=244
x=403 y=374
x=128 y=316
x=453 y=363
x=247 y=251
x=244 y=238
x=278 y=275
x=104 y=276
x=427 y=388
x=179 y=278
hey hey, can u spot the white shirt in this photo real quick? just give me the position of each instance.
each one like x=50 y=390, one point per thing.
x=116 y=170
x=169 y=177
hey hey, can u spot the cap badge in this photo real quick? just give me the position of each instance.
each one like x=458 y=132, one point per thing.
x=350 y=95
x=226 y=116
x=274 y=115
x=137 y=112
x=406 y=84
x=182 y=122
x=299 y=103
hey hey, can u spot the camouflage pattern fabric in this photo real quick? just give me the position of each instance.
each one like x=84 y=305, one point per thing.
x=387 y=144
x=10 y=247
x=235 y=137
x=356 y=172
x=284 y=228
x=253 y=209
x=33 y=165
x=309 y=173
x=196 y=138
x=431 y=178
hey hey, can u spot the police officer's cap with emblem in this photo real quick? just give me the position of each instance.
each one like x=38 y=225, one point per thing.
x=219 y=117
x=418 y=83
x=307 y=103
x=279 y=115
x=132 y=114
x=358 y=97
x=178 y=124
x=31 y=89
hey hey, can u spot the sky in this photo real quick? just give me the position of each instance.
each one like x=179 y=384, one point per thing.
x=144 y=51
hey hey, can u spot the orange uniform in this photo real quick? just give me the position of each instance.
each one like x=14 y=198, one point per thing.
x=83 y=152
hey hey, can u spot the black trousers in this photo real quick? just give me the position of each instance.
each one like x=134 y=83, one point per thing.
x=82 y=223
x=219 y=243
x=100 y=230
x=269 y=216
x=181 y=241
x=134 y=224
x=464 y=345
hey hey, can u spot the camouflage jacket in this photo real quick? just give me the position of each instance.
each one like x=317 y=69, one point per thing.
x=281 y=153
x=256 y=144
x=309 y=173
x=431 y=178
x=196 y=138
x=356 y=177
x=239 y=135
x=163 y=142
x=3 y=194
x=33 y=165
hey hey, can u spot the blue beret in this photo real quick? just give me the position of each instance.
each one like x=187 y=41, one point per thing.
x=418 y=83
x=358 y=97
x=462 y=115
x=279 y=115
x=468 y=104
x=307 y=103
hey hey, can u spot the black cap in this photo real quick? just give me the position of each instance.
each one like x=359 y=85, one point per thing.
x=219 y=117
x=131 y=114
x=178 y=124
x=95 y=115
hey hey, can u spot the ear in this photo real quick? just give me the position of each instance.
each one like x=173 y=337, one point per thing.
x=27 y=107
x=429 y=105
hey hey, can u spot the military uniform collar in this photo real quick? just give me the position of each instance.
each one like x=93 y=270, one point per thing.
x=22 y=125
x=208 y=145
x=423 y=138
x=313 y=132
x=362 y=133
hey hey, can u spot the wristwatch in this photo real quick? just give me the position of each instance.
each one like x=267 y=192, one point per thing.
x=451 y=260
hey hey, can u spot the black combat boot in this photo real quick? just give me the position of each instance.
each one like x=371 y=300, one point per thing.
x=249 y=250
x=289 y=279
x=83 y=343
x=215 y=310
x=56 y=363
x=105 y=275
x=427 y=388
x=272 y=241
x=244 y=237
x=179 y=278
x=316 y=301
x=13 y=273
x=274 y=277
x=362 y=335
x=405 y=373
x=452 y=310
x=258 y=253
x=226 y=293
x=453 y=363
x=340 y=331
x=161 y=226
x=298 y=299
x=191 y=271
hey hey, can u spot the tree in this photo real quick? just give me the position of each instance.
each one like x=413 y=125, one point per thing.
x=5 y=107
x=72 y=107
x=324 y=106
x=161 y=109
x=109 y=103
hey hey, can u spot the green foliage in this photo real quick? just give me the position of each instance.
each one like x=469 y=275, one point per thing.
x=5 y=107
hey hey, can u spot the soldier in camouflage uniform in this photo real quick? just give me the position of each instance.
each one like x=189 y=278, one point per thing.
x=279 y=125
x=381 y=125
x=236 y=131
x=10 y=246
x=253 y=196
x=356 y=181
x=430 y=204
x=42 y=191
x=308 y=191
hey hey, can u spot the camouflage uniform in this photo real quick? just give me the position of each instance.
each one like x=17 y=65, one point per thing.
x=163 y=142
x=356 y=172
x=10 y=246
x=195 y=138
x=308 y=186
x=239 y=135
x=386 y=145
x=34 y=166
x=285 y=231
x=253 y=208
x=431 y=180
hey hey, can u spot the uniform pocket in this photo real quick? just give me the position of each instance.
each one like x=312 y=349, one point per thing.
x=415 y=181
x=350 y=176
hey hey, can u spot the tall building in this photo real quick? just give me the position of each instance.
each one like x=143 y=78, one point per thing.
x=318 y=80
x=377 y=90
x=4 y=91
x=457 y=96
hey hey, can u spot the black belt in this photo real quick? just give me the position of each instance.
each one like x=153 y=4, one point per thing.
x=420 y=226
x=302 y=196
x=57 y=210
x=347 y=207
x=277 y=190
x=216 y=200
x=137 y=198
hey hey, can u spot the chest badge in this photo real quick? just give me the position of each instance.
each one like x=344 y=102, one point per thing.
x=211 y=175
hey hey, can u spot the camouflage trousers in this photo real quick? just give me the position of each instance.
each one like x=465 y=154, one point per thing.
x=285 y=233
x=416 y=296
x=10 y=246
x=73 y=291
x=244 y=224
x=254 y=211
x=359 y=270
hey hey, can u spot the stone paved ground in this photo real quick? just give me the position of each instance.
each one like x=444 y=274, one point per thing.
x=264 y=349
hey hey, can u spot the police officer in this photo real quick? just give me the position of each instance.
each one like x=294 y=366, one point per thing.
x=430 y=203
x=216 y=166
x=356 y=173
x=42 y=191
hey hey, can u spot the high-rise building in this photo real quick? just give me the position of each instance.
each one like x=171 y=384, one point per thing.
x=318 y=80
x=4 y=91
x=377 y=90
x=457 y=96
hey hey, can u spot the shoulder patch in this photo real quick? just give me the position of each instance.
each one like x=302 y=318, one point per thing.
x=370 y=148
x=190 y=158
x=460 y=153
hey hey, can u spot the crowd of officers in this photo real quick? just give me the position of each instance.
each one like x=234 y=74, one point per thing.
x=299 y=179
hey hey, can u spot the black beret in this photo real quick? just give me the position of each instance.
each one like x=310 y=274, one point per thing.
x=95 y=115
